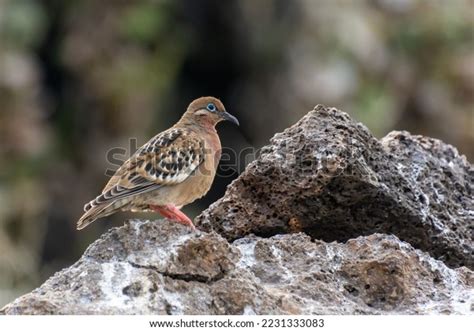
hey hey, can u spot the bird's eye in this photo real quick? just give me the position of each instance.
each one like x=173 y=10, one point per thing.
x=211 y=107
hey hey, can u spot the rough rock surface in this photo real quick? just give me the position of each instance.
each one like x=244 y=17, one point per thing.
x=157 y=267
x=329 y=177
x=325 y=221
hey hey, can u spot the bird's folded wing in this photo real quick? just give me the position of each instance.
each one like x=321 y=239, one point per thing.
x=167 y=159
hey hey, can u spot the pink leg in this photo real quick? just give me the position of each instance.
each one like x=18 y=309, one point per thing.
x=174 y=214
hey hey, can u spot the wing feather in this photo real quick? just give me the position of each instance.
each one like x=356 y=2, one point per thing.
x=167 y=159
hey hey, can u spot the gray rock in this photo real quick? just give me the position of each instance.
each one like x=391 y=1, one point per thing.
x=329 y=177
x=159 y=267
x=311 y=227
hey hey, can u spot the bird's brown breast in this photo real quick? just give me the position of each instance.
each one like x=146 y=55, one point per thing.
x=199 y=183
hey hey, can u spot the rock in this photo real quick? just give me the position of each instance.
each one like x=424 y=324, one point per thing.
x=328 y=220
x=159 y=267
x=329 y=177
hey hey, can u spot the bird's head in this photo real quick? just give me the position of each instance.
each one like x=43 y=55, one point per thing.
x=208 y=111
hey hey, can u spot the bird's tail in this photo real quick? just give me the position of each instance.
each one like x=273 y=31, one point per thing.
x=93 y=213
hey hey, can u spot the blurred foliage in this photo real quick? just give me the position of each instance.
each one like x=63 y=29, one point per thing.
x=78 y=78
x=23 y=23
x=142 y=23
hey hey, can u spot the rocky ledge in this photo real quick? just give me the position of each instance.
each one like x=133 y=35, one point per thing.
x=328 y=220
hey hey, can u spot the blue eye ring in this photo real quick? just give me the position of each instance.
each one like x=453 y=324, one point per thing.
x=211 y=107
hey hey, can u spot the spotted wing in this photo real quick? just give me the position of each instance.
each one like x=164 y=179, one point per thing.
x=167 y=159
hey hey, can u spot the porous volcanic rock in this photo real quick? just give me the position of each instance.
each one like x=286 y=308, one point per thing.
x=327 y=220
x=158 y=267
x=329 y=177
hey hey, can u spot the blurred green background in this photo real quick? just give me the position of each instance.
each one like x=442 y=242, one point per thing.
x=80 y=77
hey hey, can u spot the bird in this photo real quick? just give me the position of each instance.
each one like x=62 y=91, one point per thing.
x=173 y=169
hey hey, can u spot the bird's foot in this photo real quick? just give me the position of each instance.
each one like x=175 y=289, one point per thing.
x=172 y=213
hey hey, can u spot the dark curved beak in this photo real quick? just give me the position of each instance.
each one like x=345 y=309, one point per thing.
x=228 y=117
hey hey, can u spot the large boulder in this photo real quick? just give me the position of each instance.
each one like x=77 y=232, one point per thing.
x=329 y=177
x=157 y=267
x=327 y=220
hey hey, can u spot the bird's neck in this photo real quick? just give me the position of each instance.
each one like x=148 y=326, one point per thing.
x=201 y=124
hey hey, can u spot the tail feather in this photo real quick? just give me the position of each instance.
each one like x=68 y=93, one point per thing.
x=88 y=206
x=93 y=214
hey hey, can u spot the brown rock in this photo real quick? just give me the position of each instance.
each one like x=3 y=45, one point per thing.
x=285 y=274
x=329 y=177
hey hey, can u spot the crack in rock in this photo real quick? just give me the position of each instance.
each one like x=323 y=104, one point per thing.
x=185 y=277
